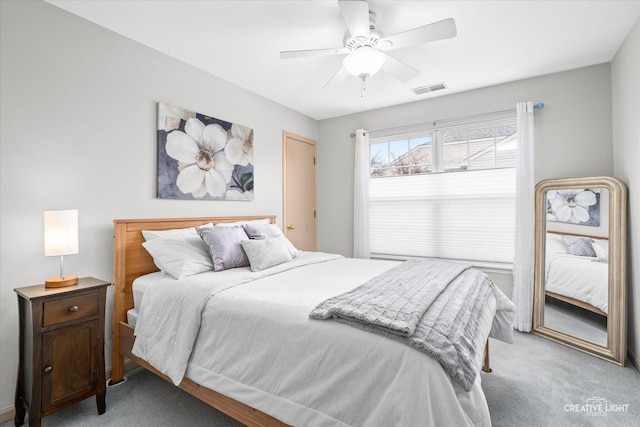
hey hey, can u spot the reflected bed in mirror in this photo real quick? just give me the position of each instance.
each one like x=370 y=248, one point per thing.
x=579 y=297
x=576 y=286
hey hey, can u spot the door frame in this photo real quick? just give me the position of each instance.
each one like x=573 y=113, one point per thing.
x=286 y=135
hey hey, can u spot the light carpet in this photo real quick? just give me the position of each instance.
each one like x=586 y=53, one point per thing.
x=534 y=383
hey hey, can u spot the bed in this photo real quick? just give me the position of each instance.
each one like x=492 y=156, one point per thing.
x=578 y=273
x=260 y=359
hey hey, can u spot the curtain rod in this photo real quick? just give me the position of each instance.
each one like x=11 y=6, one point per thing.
x=539 y=105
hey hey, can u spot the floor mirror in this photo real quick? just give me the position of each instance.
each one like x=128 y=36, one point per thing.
x=580 y=265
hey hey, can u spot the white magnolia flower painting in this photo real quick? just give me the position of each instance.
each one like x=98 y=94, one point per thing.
x=574 y=206
x=200 y=157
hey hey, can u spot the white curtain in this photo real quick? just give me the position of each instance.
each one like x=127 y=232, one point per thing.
x=523 y=263
x=361 y=197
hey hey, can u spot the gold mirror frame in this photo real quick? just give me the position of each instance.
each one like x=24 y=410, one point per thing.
x=616 y=349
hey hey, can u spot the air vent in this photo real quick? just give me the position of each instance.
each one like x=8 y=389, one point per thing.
x=430 y=88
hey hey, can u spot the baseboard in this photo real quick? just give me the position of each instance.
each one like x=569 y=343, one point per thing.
x=7 y=414
x=633 y=358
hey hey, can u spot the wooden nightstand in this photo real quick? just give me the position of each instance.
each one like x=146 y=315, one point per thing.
x=61 y=348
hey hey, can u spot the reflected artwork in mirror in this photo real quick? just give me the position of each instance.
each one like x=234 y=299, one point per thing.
x=579 y=294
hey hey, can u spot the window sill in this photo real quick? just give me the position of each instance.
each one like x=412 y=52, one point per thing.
x=486 y=266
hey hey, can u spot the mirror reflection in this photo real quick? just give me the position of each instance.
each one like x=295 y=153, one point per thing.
x=576 y=259
x=580 y=265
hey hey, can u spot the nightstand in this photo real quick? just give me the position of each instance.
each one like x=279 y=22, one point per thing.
x=61 y=348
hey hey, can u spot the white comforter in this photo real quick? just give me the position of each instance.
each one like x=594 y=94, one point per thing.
x=256 y=344
x=583 y=278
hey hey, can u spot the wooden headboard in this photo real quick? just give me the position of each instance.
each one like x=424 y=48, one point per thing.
x=131 y=260
x=562 y=233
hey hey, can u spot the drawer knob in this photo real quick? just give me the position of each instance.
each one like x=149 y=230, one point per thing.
x=48 y=369
x=73 y=308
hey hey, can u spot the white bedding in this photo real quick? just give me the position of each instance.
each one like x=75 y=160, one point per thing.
x=256 y=344
x=583 y=278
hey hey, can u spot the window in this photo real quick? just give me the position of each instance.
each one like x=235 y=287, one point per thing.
x=401 y=157
x=444 y=193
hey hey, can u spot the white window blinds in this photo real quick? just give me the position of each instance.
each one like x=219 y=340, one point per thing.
x=466 y=212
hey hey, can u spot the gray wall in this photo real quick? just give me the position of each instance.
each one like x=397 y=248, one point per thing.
x=573 y=136
x=78 y=130
x=625 y=69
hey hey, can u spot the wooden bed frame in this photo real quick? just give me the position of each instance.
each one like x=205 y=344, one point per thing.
x=576 y=302
x=131 y=260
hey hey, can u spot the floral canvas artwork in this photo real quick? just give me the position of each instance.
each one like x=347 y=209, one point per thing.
x=201 y=157
x=574 y=206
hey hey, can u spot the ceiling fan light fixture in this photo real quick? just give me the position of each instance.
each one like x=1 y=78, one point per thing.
x=363 y=62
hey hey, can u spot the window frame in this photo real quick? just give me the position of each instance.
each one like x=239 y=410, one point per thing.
x=436 y=133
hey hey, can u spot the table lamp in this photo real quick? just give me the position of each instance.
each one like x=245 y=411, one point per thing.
x=60 y=239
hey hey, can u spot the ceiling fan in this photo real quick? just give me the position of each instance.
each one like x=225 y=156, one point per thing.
x=365 y=46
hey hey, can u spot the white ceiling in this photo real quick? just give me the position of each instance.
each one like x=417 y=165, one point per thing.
x=240 y=41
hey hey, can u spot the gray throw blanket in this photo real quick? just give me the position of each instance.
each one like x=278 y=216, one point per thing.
x=430 y=305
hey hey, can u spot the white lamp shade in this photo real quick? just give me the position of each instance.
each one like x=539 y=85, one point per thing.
x=364 y=62
x=60 y=232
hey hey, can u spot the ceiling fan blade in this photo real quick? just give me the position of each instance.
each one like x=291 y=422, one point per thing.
x=399 y=70
x=427 y=33
x=338 y=78
x=288 y=54
x=356 y=16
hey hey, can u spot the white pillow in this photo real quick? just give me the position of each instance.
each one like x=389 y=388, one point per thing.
x=180 y=257
x=555 y=244
x=175 y=233
x=266 y=253
x=266 y=231
x=601 y=248
x=232 y=224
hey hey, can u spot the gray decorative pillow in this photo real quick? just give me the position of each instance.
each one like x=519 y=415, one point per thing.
x=266 y=231
x=266 y=253
x=579 y=246
x=224 y=246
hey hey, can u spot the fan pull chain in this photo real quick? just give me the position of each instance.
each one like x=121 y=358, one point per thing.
x=362 y=88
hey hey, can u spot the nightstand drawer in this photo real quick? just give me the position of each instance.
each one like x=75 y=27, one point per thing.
x=72 y=308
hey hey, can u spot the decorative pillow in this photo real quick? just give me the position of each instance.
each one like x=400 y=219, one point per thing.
x=266 y=253
x=224 y=246
x=175 y=233
x=233 y=224
x=579 y=246
x=601 y=248
x=179 y=257
x=266 y=231
x=555 y=244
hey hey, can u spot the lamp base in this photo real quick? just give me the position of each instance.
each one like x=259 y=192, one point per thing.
x=60 y=282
